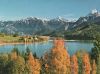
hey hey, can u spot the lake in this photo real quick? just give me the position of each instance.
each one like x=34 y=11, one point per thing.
x=43 y=47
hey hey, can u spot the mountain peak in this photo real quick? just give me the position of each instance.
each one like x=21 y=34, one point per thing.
x=94 y=11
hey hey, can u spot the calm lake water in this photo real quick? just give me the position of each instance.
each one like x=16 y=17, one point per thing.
x=42 y=47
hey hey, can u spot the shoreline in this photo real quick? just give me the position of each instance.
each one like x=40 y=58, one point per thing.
x=12 y=43
x=15 y=43
x=74 y=40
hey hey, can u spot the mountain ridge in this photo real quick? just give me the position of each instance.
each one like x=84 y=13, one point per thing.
x=52 y=27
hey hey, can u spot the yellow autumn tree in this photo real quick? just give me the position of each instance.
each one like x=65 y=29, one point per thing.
x=16 y=63
x=74 y=65
x=94 y=67
x=32 y=65
x=86 y=64
x=13 y=56
x=57 y=61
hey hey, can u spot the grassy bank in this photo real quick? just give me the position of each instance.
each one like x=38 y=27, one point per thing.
x=4 y=39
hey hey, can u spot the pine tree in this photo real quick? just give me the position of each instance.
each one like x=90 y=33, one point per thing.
x=95 y=52
x=3 y=63
x=16 y=64
x=79 y=55
x=98 y=65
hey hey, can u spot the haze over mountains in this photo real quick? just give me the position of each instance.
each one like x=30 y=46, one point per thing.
x=53 y=27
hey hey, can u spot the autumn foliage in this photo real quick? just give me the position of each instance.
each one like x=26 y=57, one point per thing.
x=33 y=64
x=86 y=64
x=74 y=65
x=58 y=59
x=13 y=56
x=94 y=67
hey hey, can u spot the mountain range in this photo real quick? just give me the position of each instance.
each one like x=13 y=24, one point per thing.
x=84 y=26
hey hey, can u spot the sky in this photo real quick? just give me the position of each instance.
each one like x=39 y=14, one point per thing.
x=69 y=9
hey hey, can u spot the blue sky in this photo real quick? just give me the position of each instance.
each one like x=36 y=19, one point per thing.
x=17 y=9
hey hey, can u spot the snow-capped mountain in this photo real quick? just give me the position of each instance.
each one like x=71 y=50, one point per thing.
x=59 y=25
x=33 y=26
